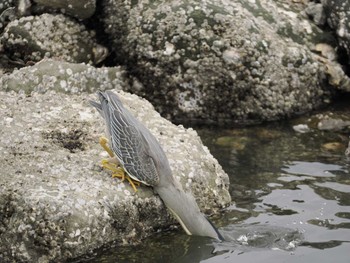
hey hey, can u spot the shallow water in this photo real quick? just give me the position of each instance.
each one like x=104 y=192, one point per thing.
x=291 y=194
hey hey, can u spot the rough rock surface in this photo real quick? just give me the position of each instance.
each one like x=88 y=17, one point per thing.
x=5 y=4
x=33 y=38
x=7 y=12
x=81 y=9
x=333 y=54
x=64 y=77
x=316 y=13
x=240 y=59
x=338 y=18
x=55 y=200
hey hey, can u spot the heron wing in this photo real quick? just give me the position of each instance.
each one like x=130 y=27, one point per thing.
x=131 y=148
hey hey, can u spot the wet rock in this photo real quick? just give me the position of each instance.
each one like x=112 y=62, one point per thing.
x=338 y=18
x=228 y=141
x=81 y=9
x=347 y=151
x=33 y=38
x=64 y=77
x=332 y=119
x=56 y=202
x=265 y=134
x=333 y=146
x=333 y=124
x=301 y=128
x=241 y=60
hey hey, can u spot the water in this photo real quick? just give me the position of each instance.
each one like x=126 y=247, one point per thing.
x=291 y=195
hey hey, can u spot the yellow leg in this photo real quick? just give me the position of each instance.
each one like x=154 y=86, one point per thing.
x=131 y=181
x=103 y=143
x=113 y=165
x=118 y=171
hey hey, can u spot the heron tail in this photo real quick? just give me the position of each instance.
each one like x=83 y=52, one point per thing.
x=185 y=209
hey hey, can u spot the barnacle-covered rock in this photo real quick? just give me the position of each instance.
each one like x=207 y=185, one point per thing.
x=81 y=9
x=7 y=12
x=33 y=38
x=221 y=61
x=64 y=77
x=315 y=11
x=336 y=76
x=56 y=202
x=338 y=18
x=5 y=4
x=333 y=70
x=337 y=15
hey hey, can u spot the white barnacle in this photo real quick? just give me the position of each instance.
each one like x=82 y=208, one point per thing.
x=69 y=71
x=169 y=48
x=63 y=84
x=231 y=56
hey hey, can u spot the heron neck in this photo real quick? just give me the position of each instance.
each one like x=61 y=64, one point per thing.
x=186 y=211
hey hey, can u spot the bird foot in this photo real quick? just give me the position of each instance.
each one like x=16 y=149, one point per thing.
x=118 y=172
x=113 y=165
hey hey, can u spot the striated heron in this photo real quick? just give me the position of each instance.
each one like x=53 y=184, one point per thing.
x=143 y=160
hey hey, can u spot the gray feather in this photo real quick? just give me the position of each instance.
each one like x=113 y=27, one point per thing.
x=127 y=141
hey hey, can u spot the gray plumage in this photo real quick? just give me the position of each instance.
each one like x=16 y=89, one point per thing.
x=130 y=140
x=144 y=160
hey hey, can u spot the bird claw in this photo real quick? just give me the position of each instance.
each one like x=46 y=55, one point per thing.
x=113 y=165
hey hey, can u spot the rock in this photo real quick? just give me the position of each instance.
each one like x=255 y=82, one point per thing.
x=347 y=151
x=81 y=9
x=33 y=38
x=326 y=51
x=336 y=76
x=5 y=4
x=335 y=12
x=236 y=143
x=301 y=128
x=242 y=60
x=333 y=124
x=338 y=18
x=64 y=77
x=7 y=12
x=23 y=7
x=316 y=13
x=56 y=202
x=333 y=146
x=332 y=119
